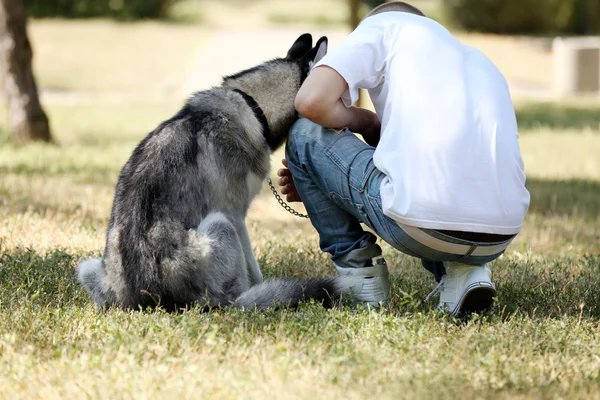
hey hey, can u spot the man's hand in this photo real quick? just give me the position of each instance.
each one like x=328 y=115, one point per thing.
x=371 y=131
x=286 y=181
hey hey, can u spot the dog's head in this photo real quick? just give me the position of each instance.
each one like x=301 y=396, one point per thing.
x=280 y=108
x=303 y=52
x=273 y=86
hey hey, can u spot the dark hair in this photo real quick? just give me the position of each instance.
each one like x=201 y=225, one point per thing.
x=395 y=6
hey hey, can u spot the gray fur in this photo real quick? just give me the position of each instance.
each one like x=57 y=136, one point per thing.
x=177 y=234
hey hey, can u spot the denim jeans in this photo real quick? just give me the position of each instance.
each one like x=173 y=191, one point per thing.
x=339 y=185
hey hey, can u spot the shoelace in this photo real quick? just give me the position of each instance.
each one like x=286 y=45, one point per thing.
x=437 y=289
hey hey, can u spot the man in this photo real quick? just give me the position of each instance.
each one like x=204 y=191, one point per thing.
x=440 y=177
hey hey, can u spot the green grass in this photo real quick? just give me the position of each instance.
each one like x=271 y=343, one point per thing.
x=540 y=341
x=583 y=117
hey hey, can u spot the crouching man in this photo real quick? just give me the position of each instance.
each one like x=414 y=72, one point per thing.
x=440 y=176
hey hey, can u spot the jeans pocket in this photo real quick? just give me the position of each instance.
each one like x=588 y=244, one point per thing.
x=342 y=202
x=357 y=210
x=366 y=178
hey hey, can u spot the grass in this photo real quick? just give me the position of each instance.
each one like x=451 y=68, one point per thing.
x=541 y=340
x=581 y=117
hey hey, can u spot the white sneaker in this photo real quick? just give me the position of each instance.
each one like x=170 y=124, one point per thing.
x=374 y=287
x=465 y=289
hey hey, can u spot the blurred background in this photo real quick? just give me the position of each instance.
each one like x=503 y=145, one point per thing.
x=132 y=51
x=107 y=52
x=106 y=72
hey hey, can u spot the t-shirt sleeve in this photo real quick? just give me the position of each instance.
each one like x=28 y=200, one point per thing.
x=359 y=59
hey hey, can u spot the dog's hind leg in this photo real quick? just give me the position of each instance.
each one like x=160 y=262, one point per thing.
x=208 y=269
x=226 y=274
x=251 y=263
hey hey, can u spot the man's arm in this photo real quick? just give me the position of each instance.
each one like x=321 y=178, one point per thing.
x=319 y=99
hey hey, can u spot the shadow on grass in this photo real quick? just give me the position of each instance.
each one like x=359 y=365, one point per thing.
x=573 y=197
x=554 y=288
x=559 y=117
x=34 y=280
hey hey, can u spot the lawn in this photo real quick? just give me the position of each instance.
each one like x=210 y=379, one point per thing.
x=540 y=341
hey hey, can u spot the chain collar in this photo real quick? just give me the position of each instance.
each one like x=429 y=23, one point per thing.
x=282 y=202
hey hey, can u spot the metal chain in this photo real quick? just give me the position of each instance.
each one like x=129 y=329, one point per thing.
x=283 y=203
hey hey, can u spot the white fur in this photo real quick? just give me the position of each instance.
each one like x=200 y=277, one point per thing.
x=251 y=125
x=91 y=275
x=210 y=219
x=90 y=270
x=253 y=268
x=254 y=184
x=321 y=52
x=115 y=275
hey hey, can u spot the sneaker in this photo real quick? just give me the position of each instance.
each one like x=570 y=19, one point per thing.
x=372 y=286
x=465 y=289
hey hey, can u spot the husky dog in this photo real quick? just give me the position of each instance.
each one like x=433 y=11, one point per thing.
x=177 y=234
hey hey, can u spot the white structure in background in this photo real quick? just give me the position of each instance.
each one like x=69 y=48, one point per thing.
x=576 y=66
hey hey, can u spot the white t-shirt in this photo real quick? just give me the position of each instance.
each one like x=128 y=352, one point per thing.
x=449 y=139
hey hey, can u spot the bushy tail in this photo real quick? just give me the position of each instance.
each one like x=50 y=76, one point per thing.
x=90 y=273
x=290 y=292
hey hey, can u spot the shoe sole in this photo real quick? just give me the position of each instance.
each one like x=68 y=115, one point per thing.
x=478 y=297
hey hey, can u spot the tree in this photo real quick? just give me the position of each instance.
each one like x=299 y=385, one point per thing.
x=354 y=19
x=354 y=13
x=26 y=117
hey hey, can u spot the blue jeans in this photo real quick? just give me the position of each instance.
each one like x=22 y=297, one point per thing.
x=339 y=185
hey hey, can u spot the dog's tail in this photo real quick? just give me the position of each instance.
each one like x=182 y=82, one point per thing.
x=90 y=274
x=290 y=292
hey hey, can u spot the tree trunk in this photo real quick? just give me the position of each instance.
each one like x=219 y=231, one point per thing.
x=26 y=117
x=354 y=20
x=354 y=8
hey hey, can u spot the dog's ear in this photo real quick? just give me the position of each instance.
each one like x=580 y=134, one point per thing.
x=321 y=49
x=300 y=47
x=318 y=52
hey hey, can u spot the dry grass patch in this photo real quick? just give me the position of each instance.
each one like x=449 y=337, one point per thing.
x=105 y=56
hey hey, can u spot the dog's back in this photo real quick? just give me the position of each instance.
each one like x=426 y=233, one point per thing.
x=177 y=234
x=191 y=165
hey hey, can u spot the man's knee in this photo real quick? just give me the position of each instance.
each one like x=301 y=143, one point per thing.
x=306 y=135
x=303 y=131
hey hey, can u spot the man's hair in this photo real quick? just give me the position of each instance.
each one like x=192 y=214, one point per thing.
x=394 y=6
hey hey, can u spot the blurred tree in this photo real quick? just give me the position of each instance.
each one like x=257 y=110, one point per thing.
x=26 y=117
x=355 y=17
x=554 y=17
x=354 y=20
x=355 y=6
x=354 y=13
